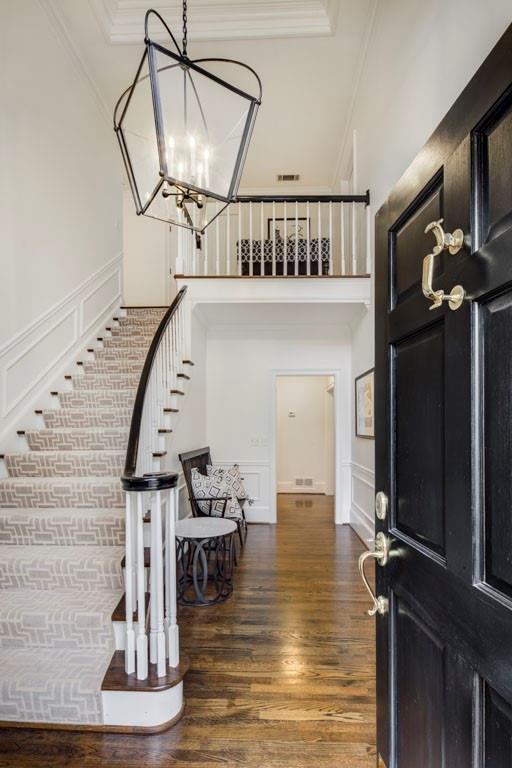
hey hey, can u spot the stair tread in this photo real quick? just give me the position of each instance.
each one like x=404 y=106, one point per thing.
x=17 y=600
x=60 y=552
x=68 y=430
x=66 y=684
x=62 y=511
x=67 y=480
x=55 y=454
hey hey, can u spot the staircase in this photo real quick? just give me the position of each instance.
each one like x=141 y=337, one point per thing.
x=62 y=541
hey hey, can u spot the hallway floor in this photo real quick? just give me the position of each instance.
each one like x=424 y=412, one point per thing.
x=281 y=675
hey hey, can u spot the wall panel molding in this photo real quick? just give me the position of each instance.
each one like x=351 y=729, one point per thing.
x=35 y=355
x=256 y=476
x=362 y=501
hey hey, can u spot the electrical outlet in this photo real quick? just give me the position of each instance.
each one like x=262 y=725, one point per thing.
x=254 y=442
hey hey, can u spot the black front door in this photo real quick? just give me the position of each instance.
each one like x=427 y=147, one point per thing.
x=444 y=439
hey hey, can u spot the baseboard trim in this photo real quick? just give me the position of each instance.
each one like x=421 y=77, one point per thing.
x=95 y=728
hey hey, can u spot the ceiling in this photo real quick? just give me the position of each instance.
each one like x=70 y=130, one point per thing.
x=308 y=54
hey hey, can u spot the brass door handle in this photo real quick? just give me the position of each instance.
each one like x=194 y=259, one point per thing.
x=381 y=555
x=453 y=242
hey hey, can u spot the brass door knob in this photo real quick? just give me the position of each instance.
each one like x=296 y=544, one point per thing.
x=381 y=555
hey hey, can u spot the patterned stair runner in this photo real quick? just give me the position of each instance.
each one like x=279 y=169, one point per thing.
x=62 y=536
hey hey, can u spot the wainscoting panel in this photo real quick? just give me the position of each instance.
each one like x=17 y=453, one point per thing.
x=257 y=484
x=32 y=361
x=93 y=305
x=362 y=501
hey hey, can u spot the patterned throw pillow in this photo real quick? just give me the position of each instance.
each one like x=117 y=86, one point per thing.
x=231 y=478
x=208 y=487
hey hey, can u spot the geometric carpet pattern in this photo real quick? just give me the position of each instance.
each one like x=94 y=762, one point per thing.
x=62 y=536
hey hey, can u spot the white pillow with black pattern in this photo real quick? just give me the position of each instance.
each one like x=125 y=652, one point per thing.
x=207 y=487
x=231 y=477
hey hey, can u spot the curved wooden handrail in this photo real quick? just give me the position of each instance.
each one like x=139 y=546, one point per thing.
x=155 y=481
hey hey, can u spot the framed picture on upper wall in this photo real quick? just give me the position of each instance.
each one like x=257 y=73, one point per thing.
x=365 y=414
x=296 y=229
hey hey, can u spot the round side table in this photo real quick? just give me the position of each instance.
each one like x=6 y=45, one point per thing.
x=204 y=557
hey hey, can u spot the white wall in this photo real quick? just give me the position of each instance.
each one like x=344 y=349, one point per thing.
x=419 y=57
x=303 y=447
x=242 y=363
x=147 y=247
x=60 y=204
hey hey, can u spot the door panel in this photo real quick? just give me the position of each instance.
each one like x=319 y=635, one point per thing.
x=420 y=693
x=444 y=443
x=498 y=730
x=493 y=164
x=419 y=440
x=496 y=350
x=406 y=273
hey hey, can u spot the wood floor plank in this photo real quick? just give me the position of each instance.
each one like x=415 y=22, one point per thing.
x=281 y=675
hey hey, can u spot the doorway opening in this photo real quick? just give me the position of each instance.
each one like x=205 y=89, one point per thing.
x=305 y=442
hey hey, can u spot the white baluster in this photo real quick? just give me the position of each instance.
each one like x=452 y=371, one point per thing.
x=173 y=644
x=308 y=240
x=273 y=237
x=153 y=595
x=142 y=639
x=368 y=240
x=262 y=241
x=129 y=656
x=159 y=589
x=342 y=238
x=330 y=237
x=217 y=240
x=250 y=238
x=239 y=253
x=285 y=241
x=319 y=225
x=354 y=240
x=205 y=248
x=296 y=237
x=228 y=243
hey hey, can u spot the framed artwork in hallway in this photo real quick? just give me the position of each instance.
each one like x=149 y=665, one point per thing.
x=364 y=416
x=296 y=229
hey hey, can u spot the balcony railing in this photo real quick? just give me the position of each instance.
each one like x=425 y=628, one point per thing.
x=292 y=236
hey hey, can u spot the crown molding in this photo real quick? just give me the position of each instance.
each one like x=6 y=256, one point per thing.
x=122 y=21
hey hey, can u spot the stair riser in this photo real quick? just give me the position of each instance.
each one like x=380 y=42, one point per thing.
x=83 y=419
x=72 y=530
x=49 y=440
x=67 y=464
x=62 y=494
x=98 y=399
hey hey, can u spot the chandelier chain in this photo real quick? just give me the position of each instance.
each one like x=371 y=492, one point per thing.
x=185 y=20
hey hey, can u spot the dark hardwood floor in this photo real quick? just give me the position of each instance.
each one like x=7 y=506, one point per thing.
x=281 y=675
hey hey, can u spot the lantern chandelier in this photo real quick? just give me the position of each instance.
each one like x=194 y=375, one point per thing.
x=183 y=132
